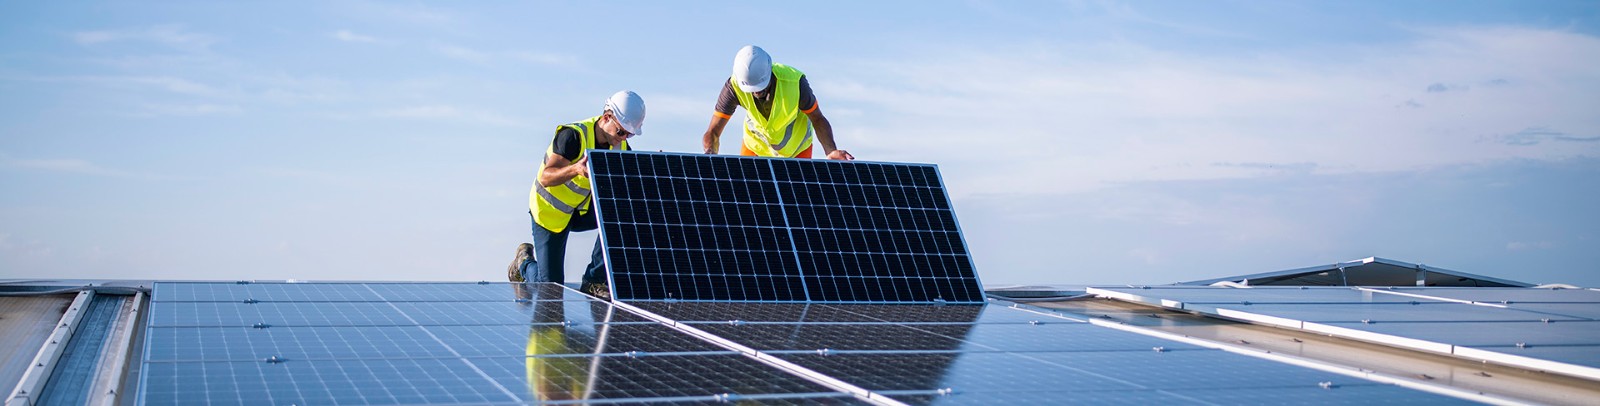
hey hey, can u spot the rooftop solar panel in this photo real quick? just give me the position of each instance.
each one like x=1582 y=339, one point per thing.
x=236 y=314
x=614 y=338
x=447 y=347
x=372 y=381
x=1259 y=295
x=1498 y=334
x=1505 y=295
x=319 y=343
x=1495 y=328
x=714 y=312
x=1346 y=395
x=1069 y=372
x=719 y=228
x=253 y=344
x=266 y=292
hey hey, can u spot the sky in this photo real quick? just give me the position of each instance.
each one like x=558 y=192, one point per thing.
x=1082 y=142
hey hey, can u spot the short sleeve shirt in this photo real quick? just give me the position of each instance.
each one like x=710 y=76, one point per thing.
x=569 y=143
x=728 y=100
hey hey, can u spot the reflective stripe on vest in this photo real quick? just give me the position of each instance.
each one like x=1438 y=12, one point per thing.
x=554 y=207
x=771 y=134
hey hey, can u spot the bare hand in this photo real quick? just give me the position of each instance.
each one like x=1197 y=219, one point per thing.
x=841 y=155
x=582 y=165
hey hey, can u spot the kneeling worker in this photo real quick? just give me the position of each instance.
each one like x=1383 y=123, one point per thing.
x=560 y=201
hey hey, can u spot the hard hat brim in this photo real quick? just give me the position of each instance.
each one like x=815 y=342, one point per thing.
x=752 y=88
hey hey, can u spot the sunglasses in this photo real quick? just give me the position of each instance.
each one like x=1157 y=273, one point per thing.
x=621 y=132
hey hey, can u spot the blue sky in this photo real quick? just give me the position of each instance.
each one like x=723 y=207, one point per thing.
x=1084 y=142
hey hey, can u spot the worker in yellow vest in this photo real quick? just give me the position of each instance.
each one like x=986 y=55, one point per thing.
x=560 y=202
x=781 y=113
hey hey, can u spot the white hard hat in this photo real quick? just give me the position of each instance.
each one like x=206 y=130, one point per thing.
x=628 y=108
x=752 y=69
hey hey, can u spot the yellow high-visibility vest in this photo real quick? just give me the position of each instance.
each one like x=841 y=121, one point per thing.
x=553 y=207
x=784 y=131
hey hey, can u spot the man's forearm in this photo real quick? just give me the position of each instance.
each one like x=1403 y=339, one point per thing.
x=556 y=176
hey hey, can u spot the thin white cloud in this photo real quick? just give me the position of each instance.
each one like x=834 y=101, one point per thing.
x=165 y=83
x=492 y=57
x=452 y=113
x=462 y=53
x=202 y=109
x=74 y=166
x=347 y=36
x=1535 y=135
x=1083 y=115
x=175 y=36
x=68 y=165
x=414 y=14
x=543 y=58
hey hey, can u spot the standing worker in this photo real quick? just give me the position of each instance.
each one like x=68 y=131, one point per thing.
x=780 y=110
x=560 y=200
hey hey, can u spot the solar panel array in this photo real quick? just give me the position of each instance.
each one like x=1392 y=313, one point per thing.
x=1555 y=330
x=707 y=227
x=432 y=343
x=429 y=343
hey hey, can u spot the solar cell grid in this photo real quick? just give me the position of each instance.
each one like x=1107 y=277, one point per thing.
x=296 y=343
x=842 y=337
x=447 y=351
x=482 y=313
x=263 y=291
x=512 y=340
x=382 y=381
x=1071 y=371
x=472 y=292
x=230 y=314
x=698 y=227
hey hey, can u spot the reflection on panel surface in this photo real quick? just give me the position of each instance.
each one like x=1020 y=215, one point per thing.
x=1540 y=329
x=1507 y=295
x=1364 y=394
x=1065 y=371
x=1264 y=294
x=693 y=312
x=504 y=340
x=610 y=377
x=1530 y=333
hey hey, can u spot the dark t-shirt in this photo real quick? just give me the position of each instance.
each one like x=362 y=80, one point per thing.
x=568 y=143
x=728 y=100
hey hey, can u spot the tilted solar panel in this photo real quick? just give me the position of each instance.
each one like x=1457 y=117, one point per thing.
x=722 y=228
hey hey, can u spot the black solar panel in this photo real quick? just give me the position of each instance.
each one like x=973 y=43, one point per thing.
x=723 y=228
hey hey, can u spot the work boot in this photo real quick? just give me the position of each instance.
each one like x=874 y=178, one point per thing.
x=524 y=255
x=596 y=289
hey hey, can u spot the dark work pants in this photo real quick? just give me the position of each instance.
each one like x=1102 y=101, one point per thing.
x=550 y=251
